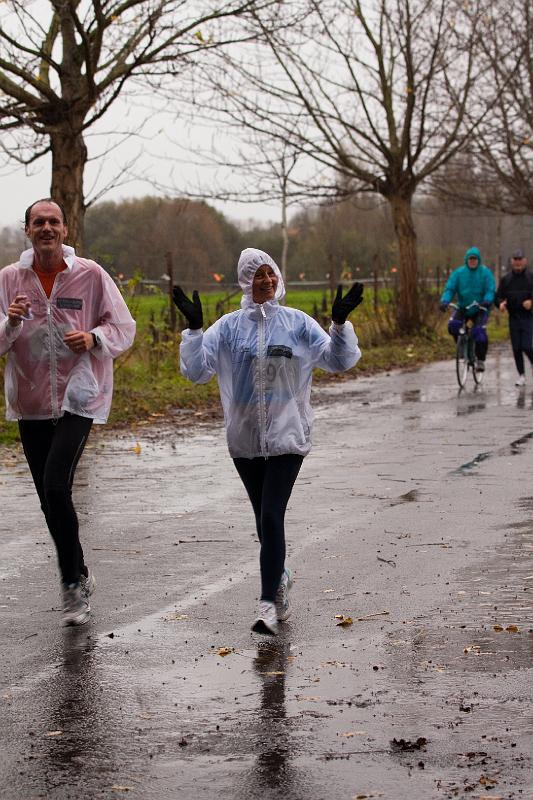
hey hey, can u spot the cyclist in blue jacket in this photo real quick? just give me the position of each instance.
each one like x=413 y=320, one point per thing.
x=473 y=284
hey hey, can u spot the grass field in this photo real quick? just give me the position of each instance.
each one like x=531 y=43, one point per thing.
x=147 y=378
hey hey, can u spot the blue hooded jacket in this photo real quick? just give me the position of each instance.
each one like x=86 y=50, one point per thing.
x=470 y=285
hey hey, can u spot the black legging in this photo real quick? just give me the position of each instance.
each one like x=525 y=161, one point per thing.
x=53 y=449
x=521 y=330
x=269 y=483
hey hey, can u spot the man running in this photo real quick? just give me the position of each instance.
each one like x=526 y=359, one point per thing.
x=62 y=322
x=515 y=295
x=474 y=285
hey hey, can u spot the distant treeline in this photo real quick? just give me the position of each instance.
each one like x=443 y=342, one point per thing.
x=353 y=238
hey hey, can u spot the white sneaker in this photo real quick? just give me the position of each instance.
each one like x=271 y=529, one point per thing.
x=283 y=606
x=520 y=381
x=267 y=619
x=76 y=608
x=87 y=584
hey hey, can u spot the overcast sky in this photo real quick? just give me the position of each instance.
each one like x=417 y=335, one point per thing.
x=162 y=155
x=18 y=190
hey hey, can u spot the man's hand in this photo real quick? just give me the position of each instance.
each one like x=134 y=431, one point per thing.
x=342 y=306
x=191 y=309
x=18 y=310
x=79 y=341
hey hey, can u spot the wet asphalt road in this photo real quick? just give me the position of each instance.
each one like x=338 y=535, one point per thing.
x=413 y=516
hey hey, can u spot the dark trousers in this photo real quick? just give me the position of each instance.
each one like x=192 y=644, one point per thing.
x=53 y=449
x=479 y=330
x=521 y=331
x=269 y=483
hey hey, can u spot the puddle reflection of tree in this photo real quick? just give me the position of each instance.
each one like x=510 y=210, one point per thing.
x=273 y=774
x=78 y=746
x=470 y=404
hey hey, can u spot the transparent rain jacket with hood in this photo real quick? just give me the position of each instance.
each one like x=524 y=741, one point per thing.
x=470 y=285
x=43 y=377
x=264 y=356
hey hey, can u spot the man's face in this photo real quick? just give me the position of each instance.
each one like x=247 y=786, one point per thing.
x=46 y=230
x=472 y=262
x=518 y=264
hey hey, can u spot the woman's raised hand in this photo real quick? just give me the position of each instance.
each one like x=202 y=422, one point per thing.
x=342 y=306
x=191 y=309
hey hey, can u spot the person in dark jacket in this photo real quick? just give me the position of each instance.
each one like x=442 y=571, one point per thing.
x=515 y=295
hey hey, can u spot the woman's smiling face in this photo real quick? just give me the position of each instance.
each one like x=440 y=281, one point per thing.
x=264 y=284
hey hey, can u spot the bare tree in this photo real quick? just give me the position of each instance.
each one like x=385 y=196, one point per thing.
x=373 y=96
x=499 y=160
x=63 y=63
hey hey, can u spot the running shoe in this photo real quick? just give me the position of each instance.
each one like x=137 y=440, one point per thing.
x=480 y=365
x=267 y=619
x=76 y=608
x=87 y=584
x=283 y=606
x=520 y=381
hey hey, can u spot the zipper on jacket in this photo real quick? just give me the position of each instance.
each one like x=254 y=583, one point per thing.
x=53 y=362
x=261 y=359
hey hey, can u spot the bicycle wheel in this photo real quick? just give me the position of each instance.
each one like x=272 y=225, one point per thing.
x=477 y=373
x=461 y=360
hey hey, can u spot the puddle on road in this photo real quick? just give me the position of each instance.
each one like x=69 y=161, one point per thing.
x=514 y=448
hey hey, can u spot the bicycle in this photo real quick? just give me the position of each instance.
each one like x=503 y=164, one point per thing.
x=465 y=354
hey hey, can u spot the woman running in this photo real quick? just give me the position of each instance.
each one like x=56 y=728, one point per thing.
x=264 y=355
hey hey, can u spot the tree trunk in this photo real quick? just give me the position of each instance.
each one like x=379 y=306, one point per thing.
x=69 y=156
x=408 y=311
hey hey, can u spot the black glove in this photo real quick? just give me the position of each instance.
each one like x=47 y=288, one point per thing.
x=342 y=306
x=191 y=309
x=443 y=306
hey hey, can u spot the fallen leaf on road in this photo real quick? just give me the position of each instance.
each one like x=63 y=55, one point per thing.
x=498 y=628
x=118 y=788
x=54 y=733
x=472 y=648
x=512 y=629
x=274 y=672
x=344 y=622
x=486 y=780
x=137 y=448
x=224 y=651
x=175 y=616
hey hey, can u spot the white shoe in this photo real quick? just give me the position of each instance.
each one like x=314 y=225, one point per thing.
x=76 y=608
x=267 y=619
x=87 y=584
x=520 y=381
x=283 y=606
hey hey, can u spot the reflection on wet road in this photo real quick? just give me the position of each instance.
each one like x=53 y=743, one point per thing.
x=413 y=517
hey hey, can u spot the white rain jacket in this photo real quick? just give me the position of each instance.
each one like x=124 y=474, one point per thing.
x=43 y=378
x=264 y=355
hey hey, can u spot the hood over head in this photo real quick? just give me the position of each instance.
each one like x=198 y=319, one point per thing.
x=472 y=252
x=249 y=262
